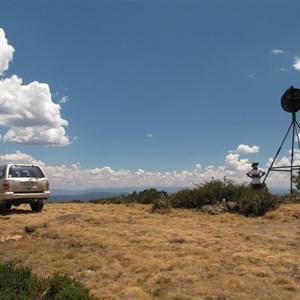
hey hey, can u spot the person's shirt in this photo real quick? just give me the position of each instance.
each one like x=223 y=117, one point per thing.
x=255 y=175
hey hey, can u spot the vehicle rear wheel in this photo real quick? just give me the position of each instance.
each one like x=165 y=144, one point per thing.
x=8 y=206
x=5 y=206
x=37 y=205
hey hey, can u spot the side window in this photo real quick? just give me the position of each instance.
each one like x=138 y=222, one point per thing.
x=2 y=169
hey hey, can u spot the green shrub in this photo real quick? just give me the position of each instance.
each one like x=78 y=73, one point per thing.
x=256 y=202
x=149 y=196
x=62 y=287
x=113 y=200
x=144 y=197
x=239 y=191
x=213 y=192
x=183 y=199
x=207 y=193
x=162 y=206
x=204 y=195
x=18 y=283
x=76 y=201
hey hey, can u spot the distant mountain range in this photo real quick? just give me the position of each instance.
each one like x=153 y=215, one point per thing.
x=64 y=195
x=280 y=191
x=82 y=197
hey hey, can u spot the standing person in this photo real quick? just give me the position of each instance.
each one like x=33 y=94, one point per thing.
x=255 y=174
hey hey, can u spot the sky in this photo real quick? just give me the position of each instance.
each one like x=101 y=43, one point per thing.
x=112 y=94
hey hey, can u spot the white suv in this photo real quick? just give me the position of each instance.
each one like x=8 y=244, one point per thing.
x=22 y=183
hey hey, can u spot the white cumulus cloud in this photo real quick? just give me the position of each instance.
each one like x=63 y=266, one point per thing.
x=6 y=52
x=19 y=157
x=296 y=64
x=234 y=163
x=27 y=111
x=247 y=149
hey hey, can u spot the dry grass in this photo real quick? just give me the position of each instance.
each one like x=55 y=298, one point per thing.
x=127 y=252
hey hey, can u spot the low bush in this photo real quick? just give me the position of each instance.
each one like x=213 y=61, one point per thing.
x=183 y=199
x=112 y=200
x=215 y=191
x=256 y=202
x=207 y=193
x=147 y=196
x=18 y=282
x=162 y=206
x=250 y=202
x=62 y=287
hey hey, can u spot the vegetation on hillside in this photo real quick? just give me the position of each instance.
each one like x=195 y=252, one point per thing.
x=249 y=202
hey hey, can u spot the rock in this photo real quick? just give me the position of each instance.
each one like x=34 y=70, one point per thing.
x=220 y=208
x=30 y=229
x=232 y=206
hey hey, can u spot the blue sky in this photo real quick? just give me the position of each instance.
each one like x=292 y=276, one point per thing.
x=146 y=93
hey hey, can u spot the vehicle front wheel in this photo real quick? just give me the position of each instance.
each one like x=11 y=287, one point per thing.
x=37 y=206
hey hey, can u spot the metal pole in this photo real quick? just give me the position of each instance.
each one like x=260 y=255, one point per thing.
x=292 y=154
x=277 y=153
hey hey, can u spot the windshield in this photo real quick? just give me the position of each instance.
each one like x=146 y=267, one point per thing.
x=25 y=171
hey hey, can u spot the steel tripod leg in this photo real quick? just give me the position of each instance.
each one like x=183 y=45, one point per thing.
x=279 y=149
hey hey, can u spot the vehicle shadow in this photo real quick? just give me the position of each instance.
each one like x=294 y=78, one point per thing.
x=16 y=211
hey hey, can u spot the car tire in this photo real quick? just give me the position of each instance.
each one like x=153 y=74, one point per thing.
x=37 y=205
x=5 y=206
x=8 y=206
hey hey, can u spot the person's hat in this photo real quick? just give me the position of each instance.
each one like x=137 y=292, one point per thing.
x=254 y=164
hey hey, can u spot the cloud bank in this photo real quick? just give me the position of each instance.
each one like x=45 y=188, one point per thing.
x=27 y=111
x=75 y=177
